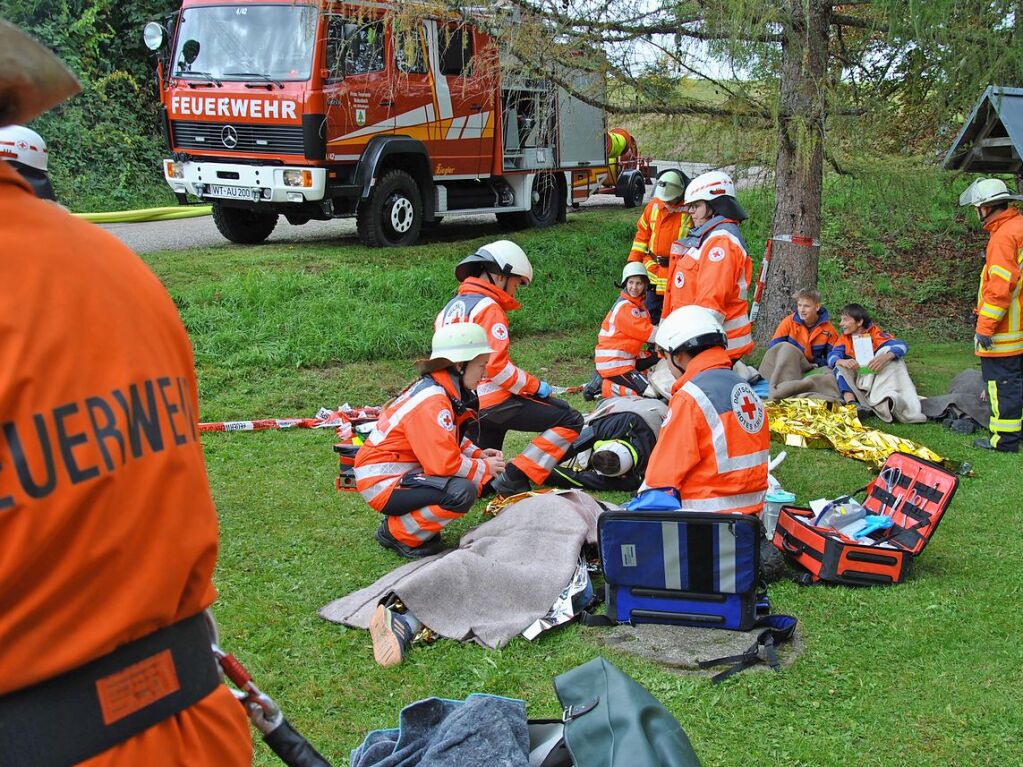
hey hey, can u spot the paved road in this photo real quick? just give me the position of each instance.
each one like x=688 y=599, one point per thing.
x=201 y=232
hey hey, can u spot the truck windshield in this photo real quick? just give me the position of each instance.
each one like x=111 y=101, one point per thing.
x=238 y=42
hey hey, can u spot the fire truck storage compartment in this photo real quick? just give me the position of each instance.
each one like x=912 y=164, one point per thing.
x=581 y=128
x=474 y=194
x=527 y=110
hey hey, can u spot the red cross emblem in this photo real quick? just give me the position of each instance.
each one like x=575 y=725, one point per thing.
x=749 y=407
x=746 y=407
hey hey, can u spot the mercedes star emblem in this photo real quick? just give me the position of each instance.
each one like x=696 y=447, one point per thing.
x=229 y=137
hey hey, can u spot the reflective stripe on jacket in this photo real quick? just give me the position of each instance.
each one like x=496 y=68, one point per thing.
x=814 y=342
x=625 y=330
x=485 y=304
x=418 y=431
x=711 y=268
x=879 y=340
x=660 y=224
x=714 y=445
x=999 y=301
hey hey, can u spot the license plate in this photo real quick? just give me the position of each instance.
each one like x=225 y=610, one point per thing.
x=233 y=192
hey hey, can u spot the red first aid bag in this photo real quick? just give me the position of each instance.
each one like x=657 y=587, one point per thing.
x=914 y=493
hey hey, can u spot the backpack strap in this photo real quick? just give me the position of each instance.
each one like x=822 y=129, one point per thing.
x=777 y=629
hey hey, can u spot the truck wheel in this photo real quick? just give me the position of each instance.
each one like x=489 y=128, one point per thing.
x=393 y=213
x=544 y=211
x=246 y=227
x=634 y=192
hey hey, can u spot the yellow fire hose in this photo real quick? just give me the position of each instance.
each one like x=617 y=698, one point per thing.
x=146 y=214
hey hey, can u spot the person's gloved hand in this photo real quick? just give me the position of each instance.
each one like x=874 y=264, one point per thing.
x=982 y=341
x=544 y=390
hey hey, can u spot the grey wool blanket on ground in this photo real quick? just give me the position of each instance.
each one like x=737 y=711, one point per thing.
x=785 y=368
x=482 y=730
x=503 y=576
x=966 y=396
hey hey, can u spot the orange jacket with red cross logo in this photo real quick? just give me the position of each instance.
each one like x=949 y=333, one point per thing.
x=418 y=431
x=1000 y=296
x=714 y=445
x=626 y=328
x=660 y=224
x=487 y=305
x=107 y=528
x=711 y=268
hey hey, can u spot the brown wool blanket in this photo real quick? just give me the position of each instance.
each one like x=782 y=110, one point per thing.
x=784 y=367
x=504 y=574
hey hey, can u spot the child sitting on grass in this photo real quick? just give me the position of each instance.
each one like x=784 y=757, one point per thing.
x=808 y=328
x=880 y=382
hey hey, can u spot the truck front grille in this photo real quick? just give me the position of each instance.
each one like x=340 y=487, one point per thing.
x=218 y=137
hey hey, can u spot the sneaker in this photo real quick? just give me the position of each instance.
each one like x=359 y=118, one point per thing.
x=391 y=636
x=508 y=485
x=427 y=548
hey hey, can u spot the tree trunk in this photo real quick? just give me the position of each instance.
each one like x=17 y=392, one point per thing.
x=799 y=169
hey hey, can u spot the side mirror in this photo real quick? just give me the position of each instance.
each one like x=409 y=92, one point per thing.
x=154 y=35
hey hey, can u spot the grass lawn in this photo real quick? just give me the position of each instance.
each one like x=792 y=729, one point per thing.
x=918 y=674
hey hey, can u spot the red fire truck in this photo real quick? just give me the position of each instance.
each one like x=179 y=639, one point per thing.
x=323 y=110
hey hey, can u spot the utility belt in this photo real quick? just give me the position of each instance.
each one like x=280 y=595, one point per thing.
x=83 y=712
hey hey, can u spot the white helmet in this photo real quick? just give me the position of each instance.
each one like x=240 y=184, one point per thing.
x=985 y=191
x=509 y=258
x=459 y=342
x=710 y=186
x=613 y=458
x=634 y=269
x=23 y=145
x=688 y=329
x=671 y=184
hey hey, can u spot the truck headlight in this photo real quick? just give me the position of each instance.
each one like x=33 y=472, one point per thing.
x=303 y=178
x=173 y=169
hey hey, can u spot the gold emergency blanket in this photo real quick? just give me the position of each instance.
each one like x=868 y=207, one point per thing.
x=814 y=423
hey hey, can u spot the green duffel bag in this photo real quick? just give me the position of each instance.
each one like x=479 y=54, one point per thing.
x=610 y=720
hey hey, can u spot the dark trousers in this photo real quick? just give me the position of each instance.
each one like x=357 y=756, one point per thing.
x=1004 y=378
x=421 y=506
x=556 y=422
x=654 y=304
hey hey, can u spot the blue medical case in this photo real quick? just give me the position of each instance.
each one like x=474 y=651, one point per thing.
x=681 y=567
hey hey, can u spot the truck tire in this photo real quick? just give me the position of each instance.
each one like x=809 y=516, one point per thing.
x=392 y=215
x=246 y=227
x=544 y=211
x=634 y=192
x=545 y=208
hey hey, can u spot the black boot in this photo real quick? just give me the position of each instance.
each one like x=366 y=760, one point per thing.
x=592 y=389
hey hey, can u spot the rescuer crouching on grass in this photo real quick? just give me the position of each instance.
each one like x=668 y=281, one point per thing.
x=619 y=357
x=417 y=468
x=510 y=398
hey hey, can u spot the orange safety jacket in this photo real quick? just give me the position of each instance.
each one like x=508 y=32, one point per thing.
x=658 y=227
x=107 y=528
x=814 y=342
x=879 y=340
x=622 y=334
x=1000 y=295
x=420 y=430
x=485 y=304
x=714 y=445
x=711 y=268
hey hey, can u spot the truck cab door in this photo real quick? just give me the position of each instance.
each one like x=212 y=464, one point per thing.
x=464 y=103
x=360 y=103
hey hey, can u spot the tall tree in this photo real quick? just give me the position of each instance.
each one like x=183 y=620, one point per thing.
x=802 y=67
